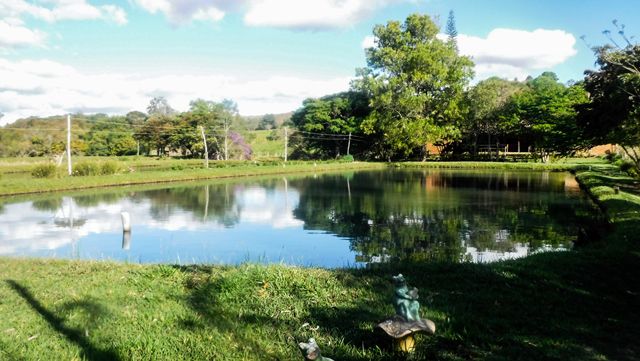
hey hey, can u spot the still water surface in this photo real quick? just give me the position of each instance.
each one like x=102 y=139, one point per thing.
x=329 y=220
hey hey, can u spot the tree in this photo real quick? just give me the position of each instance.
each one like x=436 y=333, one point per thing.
x=545 y=112
x=110 y=136
x=159 y=105
x=267 y=122
x=218 y=120
x=613 y=113
x=326 y=124
x=415 y=83
x=485 y=102
x=452 y=32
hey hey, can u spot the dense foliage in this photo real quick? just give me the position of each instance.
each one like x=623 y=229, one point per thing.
x=613 y=113
x=415 y=82
x=324 y=126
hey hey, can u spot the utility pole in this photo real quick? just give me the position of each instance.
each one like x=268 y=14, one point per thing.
x=226 y=134
x=349 y=144
x=69 y=144
x=286 y=141
x=206 y=151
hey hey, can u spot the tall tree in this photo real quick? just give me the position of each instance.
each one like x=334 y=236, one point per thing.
x=451 y=31
x=268 y=121
x=485 y=102
x=159 y=105
x=613 y=114
x=415 y=82
x=545 y=112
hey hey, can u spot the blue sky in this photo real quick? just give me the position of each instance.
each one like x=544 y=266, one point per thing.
x=59 y=56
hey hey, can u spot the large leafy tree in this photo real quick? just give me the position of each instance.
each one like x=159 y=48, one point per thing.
x=485 y=102
x=110 y=136
x=613 y=113
x=415 y=82
x=545 y=113
x=326 y=123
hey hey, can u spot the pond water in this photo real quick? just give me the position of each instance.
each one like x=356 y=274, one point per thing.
x=327 y=220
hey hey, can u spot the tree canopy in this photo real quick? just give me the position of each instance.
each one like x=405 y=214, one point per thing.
x=415 y=82
x=613 y=113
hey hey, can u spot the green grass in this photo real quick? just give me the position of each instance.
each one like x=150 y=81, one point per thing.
x=173 y=171
x=577 y=305
x=265 y=148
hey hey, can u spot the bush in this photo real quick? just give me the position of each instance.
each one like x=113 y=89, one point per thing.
x=86 y=169
x=47 y=170
x=346 y=158
x=92 y=168
x=109 y=167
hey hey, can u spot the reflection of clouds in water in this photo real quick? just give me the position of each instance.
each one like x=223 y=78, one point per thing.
x=25 y=229
x=273 y=207
x=520 y=250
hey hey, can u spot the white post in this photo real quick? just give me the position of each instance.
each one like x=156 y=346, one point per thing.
x=126 y=221
x=349 y=144
x=206 y=151
x=226 y=135
x=69 y=143
x=286 y=143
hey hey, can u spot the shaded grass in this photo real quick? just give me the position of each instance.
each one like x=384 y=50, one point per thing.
x=578 y=305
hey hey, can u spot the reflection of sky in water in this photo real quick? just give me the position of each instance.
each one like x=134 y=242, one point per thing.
x=266 y=232
x=324 y=221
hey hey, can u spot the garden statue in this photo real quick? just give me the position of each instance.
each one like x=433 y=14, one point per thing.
x=311 y=351
x=406 y=300
x=406 y=322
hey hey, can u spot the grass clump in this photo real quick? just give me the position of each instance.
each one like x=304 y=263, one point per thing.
x=87 y=168
x=45 y=170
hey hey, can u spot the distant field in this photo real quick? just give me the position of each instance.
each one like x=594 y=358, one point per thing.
x=265 y=148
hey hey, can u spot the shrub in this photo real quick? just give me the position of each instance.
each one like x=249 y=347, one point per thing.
x=86 y=169
x=346 y=158
x=94 y=168
x=109 y=167
x=46 y=170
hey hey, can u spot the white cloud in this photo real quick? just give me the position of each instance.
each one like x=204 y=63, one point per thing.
x=294 y=14
x=43 y=88
x=182 y=11
x=510 y=53
x=310 y=14
x=14 y=34
x=115 y=14
x=369 y=41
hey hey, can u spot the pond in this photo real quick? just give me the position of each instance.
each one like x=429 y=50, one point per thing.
x=326 y=220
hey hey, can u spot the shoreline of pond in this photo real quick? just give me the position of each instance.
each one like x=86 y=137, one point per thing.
x=28 y=185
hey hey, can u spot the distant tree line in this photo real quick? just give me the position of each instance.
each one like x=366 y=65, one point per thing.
x=160 y=131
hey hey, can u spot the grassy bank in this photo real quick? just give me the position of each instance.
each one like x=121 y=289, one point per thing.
x=13 y=185
x=15 y=177
x=580 y=305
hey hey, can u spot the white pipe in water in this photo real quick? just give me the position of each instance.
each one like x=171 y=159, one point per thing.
x=126 y=222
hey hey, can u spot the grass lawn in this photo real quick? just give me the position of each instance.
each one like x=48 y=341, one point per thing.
x=574 y=305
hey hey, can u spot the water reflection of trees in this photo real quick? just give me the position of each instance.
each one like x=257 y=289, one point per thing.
x=418 y=215
x=207 y=202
